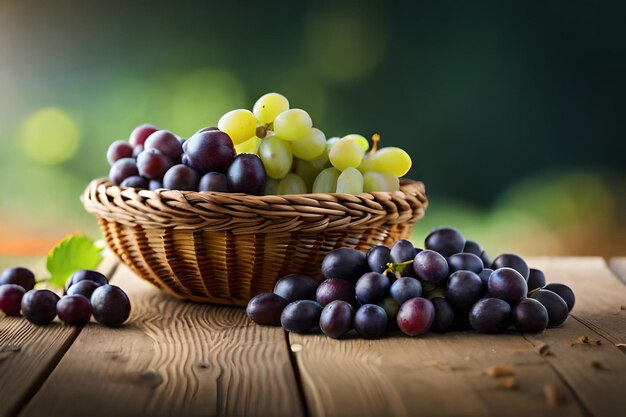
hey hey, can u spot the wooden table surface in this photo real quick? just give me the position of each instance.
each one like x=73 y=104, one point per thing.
x=183 y=359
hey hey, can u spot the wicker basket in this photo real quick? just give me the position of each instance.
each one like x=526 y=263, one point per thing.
x=226 y=248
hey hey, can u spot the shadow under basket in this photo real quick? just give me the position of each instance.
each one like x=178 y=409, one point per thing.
x=226 y=248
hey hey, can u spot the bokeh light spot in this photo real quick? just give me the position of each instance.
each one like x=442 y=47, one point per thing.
x=49 y=136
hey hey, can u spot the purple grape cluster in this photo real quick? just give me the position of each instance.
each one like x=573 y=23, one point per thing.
x=452 y=284
x=86 y=293
x=207 y=161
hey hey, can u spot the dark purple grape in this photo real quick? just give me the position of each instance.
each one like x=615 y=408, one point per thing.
x=301 y=316
x=490 y=315
x=472 y=247
x=463 y=289
x=445 y=240
x=266 y=308
x=371 y=287
x=137 y=150
x=507 y=284
x=465 y=262
x=511 y=260
x=391 y=308
x=141 y=133
x=296 y=287
x=118 y=150
x=444 y=315
x=181 y=177
x=405 y=288
x=246 y=175
x=135 y=182
x=536 y=279
x=152 y=164
x=370 y=321
x=402 y=251
x=556 y=306
x=378 y=257
x=207 y=129
x=336 y=319
x=430 y=266
x=165 y=142
x=345 y=263
x=530 y=316
x=210 y=150
x=155 y=185
x=88 y=275
x=484 y=276
x=335 y=289
x=74 y=309
x=84 y=288
x=11 y=299
x=18 y=275
x=416 y=316
x=486 y=259
x=564 y=292
x=111 y=305
x=39 y=306
x=213 y=181
x=122 y=169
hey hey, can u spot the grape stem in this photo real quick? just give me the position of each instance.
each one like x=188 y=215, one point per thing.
x=375 y=139
x=394 y=267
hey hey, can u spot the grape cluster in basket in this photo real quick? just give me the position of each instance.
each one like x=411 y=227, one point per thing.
x=451 y=285
x=272 y=149
x=87 y=293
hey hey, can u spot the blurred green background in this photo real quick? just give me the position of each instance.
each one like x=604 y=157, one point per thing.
x=513 y=111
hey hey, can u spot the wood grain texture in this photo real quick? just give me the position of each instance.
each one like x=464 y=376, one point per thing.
x=172 y=358
x=618 y=265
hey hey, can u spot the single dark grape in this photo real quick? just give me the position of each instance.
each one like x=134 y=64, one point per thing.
x=530 y=316
x=11 y=299
x=39 y=306
x=391 y=308
x=18 y=275
x=296 y=287
x=118 y=150
x=301 y=316
x=345 y=263
x=463 y=289
x=122 y=169
x=74 y=309
x=536 y=279
x=210 y=150
x=472 y=247
x=336 y=319
x=486 y=259
x=564 y=292
x=430 y=266
x=136 y=182
x=371 y=287
x=402 y=251
x=465 y=262
x=208 y=129
x=181 y=177
x=111 y=305
x=266 y=308
x=444 y=315
x=213 y=181
x=405 y=288
x=484 y=276
x=378 y=257
x=511 y=260
x=370 y=321
x=141 y=133
x=84 y=288
x=246 y=175
x=88 y=275
x=335 y=289
x=165 y=142
x=490 y=315
x=556 y=306
x=152 y=164
x=445 y=240
x=416 y=316
x=155 y=185
x=507 y=284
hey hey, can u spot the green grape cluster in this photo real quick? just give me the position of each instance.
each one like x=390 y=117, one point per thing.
x=298 y=158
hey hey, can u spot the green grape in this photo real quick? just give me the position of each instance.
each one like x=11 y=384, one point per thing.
x=239 y=124
x=326 y=181
x=292 y=184
x=346 y=153
x=276 y=156
x=269 y=106
x=271 y=187
x=330 y=142
x=249 y=146
x=366 y=165
x=391 y=160
x=310 y=147
x=363 y=143
x=375 y=182
x=350 y=181
x=293 y=124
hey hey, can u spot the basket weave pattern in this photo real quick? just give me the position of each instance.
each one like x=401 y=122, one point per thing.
x=226 y=248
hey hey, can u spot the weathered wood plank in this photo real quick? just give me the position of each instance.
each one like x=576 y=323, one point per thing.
x=172 y=358
x=618 y=265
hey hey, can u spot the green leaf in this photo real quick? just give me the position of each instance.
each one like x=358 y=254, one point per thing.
x=71 y=254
